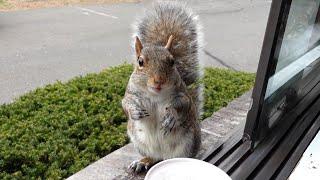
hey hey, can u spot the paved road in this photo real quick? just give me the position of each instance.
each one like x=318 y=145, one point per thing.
x=41 y=46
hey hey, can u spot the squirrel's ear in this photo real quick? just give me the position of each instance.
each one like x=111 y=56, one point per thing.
x=138 y=46
x=169 y=43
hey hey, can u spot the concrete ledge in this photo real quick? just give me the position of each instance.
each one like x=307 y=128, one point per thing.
x=215 y=130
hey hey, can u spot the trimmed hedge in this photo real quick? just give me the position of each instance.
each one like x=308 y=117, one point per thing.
x=55 y=131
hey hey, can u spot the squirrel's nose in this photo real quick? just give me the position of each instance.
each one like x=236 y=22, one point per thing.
x=158 y=80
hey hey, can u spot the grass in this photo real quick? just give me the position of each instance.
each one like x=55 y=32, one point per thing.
x=13 y=5
x=54 y=131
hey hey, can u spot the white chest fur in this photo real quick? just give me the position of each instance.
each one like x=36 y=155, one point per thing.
x=150 y=138
x=147 y=135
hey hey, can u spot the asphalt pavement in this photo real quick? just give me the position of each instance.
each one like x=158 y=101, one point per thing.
x=41 y=46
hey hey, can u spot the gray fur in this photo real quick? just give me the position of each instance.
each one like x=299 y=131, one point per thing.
x=163 y=96
x=173 y=18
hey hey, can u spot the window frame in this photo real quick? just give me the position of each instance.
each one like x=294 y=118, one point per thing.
x=265 y=68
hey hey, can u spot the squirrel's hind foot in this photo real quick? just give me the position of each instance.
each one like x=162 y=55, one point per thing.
x=141 y=165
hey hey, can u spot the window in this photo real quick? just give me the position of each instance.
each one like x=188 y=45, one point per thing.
x=292 y=67
x=285 y=112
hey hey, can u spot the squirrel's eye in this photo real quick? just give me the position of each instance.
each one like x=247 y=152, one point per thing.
x=171 y=62
x=140 y=61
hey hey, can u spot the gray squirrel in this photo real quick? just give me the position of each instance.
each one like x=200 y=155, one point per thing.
x=163 y=98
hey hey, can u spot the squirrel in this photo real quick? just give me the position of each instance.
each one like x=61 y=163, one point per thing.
x=163 y=98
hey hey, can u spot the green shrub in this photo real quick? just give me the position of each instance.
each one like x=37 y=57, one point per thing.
x=222 y=86
x=54 y=131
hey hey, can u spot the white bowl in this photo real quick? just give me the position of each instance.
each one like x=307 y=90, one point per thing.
x=185 y=169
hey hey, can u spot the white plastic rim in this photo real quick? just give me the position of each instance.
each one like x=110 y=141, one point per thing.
x=185 y=169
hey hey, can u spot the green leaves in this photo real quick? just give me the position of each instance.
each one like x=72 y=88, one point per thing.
x=222 y=86
x=55 y=131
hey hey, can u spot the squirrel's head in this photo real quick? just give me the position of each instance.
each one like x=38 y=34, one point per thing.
x=155 y=66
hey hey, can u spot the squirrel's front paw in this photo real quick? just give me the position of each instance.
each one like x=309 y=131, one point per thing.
x=169 y=121
x=138 y=113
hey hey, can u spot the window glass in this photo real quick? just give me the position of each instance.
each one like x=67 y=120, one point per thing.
x=297 y=59
x=299 y=30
